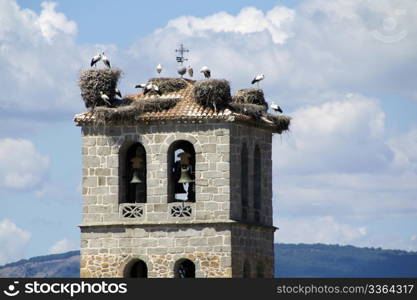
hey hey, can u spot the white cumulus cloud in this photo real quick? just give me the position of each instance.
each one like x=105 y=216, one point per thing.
x=21 y=165
x=53 y=23
x=62 y=246
x=323 y=229
x=13 y=241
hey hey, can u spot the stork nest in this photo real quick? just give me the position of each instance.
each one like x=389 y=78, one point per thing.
x=169 y=85
x=132 y=111
x=249 y=96
x=253 y=110
x=92 y=81
x=279 y=122
x=213 y=93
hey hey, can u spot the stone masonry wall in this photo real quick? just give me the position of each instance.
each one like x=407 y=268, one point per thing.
x=253 y=245
x=101 y=148
x=106 y=251
x=251 y=136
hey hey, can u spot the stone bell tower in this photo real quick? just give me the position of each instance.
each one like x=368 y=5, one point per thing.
x=179 y=183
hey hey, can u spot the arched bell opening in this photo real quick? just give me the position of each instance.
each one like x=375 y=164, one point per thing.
x=184 y=268
x=136 y=269
x=133 y=174
x=181 y=172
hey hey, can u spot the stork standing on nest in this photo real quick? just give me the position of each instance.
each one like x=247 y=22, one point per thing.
x=105 y=60
x=151 y=87
x=159 y=68
x=95 y=60
x=105 y=98
x=140 y=86
x=257 y=79
x=276 y=108
x=118 y=93
x=206 y=72
x=182 y=70
x=190 y=71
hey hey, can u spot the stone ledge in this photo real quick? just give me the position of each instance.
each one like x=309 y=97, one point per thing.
x=191 y=223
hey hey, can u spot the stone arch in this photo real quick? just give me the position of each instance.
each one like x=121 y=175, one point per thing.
x=132 y=173
x=136 y=268
x=184 y=268
x=181 y=161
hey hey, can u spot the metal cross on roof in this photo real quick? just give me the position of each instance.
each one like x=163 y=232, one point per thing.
x=181 y=51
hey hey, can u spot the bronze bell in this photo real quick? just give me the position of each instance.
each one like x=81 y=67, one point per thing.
x=185 y=177
x=135 y=177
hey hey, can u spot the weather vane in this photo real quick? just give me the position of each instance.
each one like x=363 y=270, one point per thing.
x=181 y=51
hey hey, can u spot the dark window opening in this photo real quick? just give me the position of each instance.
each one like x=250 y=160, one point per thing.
x=244 y=180
x=181 y=172
x=260 y=271
x=136 y=269
x=133 y=183
x=257 y=178
x=246 y=269
x=185 y=269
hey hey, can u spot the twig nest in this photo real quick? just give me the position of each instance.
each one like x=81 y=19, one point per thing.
x=213 y=93
x=250 y=96
x=169 y=85
x=129 y=113
x=280 y=122
x=92 y=81
x=253 y=110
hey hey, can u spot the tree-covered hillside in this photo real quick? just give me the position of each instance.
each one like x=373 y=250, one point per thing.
x=319 y=260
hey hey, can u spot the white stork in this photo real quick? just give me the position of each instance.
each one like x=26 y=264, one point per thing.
x=182 y=70
x=159 y=68
x=190 y=71
x=95 y=60
x=105 y=98
x=258 y=78
x=151 y=87
x=140 y=86
x=276 y=108
x=105 y=60
x=118 y=93
x=206 y=71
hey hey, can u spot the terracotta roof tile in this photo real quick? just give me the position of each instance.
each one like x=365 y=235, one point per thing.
x=186 y=109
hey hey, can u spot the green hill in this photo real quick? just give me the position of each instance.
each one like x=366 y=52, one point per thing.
x=319 y=260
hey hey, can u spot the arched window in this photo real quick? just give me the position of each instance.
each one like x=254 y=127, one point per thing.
x=260 y=270
x=133 y=174
x=244 y=181
x=181 y=172
x=136 y=269
x=257 y=182
x=246 y=269
x=184 y=268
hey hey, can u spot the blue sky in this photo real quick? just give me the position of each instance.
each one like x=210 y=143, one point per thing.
x=345 y=71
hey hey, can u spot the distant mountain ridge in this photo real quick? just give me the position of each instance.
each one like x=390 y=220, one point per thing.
x=291 y=260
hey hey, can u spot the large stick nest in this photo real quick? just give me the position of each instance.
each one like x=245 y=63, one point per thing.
x=213 y=93
x=249 y=96
x=253 y=110
x=279 y=122
x=131 y=112
x=92 y=81
x=169 y=85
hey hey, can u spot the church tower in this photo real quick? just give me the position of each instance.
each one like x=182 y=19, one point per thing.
x=177 y=182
